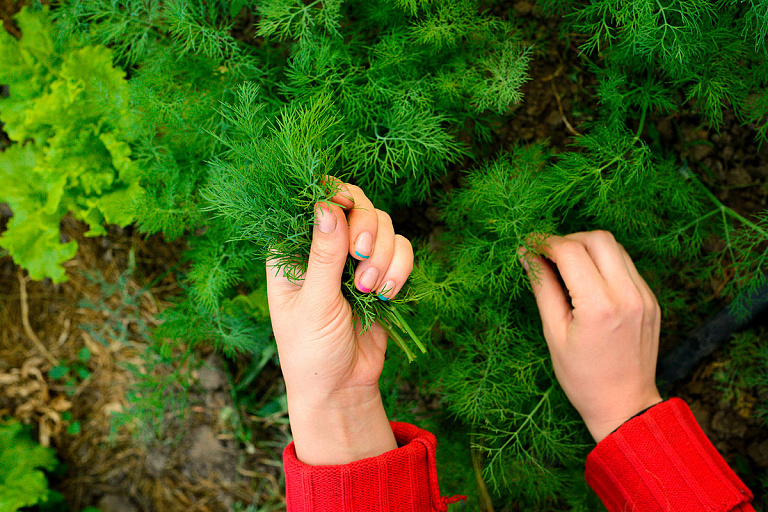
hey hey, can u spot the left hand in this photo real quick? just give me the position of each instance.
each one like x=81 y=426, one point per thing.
x=331 y=368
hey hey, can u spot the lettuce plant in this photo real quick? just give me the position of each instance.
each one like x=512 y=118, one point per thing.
x=68 y=111
x=22 y=481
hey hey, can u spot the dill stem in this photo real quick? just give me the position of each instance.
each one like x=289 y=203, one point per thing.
x=407 y=328
x=719 y=205
x=642 y=123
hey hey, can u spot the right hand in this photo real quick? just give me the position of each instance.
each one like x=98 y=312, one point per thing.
x=604 y=342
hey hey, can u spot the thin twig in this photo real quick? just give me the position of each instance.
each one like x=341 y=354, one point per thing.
x=557 y=73
x=25 y=321
x=562 y=114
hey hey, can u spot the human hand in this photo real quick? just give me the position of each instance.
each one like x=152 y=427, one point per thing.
x=604 y=343
x=331 y=368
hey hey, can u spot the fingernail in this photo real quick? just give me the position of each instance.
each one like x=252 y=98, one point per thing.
x=364 y=245
x=387 y=289
x=325 y=219
x=368 y=280
x=521 y=253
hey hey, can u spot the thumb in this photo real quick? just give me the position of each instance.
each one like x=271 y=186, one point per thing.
x=554 y=308
x=330 y=247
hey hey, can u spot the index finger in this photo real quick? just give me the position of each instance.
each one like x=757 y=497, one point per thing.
x=343 y=196
x=584 y=282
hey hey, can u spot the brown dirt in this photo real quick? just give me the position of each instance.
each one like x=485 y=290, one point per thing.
x=7 y=9
x=207 y=469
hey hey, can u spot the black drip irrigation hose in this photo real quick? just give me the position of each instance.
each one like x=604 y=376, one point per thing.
x=681 y=360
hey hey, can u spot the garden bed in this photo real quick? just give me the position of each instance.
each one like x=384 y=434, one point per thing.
x=75 y=355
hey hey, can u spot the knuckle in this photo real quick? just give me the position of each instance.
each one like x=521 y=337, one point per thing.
x=571 y=249
x=606 y=312
x=355 y=189
x=635 y=304
x=322 y=256
x=383 y=216
x=604 y=237
x=605 y=309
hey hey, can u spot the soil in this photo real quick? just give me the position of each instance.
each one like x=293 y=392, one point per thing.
x=206 y=468
x=210 y=466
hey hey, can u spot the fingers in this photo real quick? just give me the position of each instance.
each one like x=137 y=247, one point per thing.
x=386 y=259
x=399 y=269
x=363 y=224
x=371 y=271
x=278 y=286
x=607 y=255
x=650 y=304
x=597 y=271
x=618 y=269
x=551 y=299
x=585 y=284
x=343 y=196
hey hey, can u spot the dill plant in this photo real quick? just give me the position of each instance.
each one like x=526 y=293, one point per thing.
x=493 y=373
x=390 y=95
x=267 y=185
x=671 y=58
x=407 y=82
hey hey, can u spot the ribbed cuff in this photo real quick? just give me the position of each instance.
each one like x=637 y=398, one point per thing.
x=663 y=461
x=399 y=480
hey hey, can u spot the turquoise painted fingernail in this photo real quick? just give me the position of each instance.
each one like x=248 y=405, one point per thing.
x=387 y=289
x=364 y=245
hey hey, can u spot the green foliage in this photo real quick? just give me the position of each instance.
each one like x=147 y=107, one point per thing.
x=268 y=185
x=185 y=62
x=404 y=82
x=130 y=27
x=22 y=481
x=236 y=111
x=68 y=111
x=405 y=85
x=72 y=373
x=712 y=52
x=495 y=376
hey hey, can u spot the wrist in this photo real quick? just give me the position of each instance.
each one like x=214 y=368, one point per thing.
x=600 y=429
x=339 y=430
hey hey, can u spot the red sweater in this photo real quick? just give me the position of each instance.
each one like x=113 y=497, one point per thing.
x=658 y=461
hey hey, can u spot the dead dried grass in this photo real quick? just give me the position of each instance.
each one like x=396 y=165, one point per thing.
x=40 y=326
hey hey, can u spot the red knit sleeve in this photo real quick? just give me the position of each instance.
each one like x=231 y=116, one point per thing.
x=663 y=461
x=399 y=480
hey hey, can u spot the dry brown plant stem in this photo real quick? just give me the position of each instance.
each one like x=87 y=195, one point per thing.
x=562 y=113
x=25 y=320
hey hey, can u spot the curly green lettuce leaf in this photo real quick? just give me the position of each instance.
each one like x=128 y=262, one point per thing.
x=22 y=483
x=26 y=67
x=70 y=113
